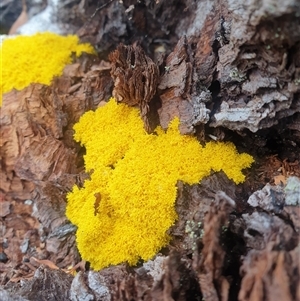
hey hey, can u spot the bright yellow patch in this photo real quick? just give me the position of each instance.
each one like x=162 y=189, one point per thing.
x=134 y=179
x=36 y=59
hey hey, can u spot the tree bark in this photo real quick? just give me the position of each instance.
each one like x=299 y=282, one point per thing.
x=230 y=70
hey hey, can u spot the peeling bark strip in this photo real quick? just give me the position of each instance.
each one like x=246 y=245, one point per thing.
x=175 y=85
x=135 y=78
x=209 y=264
x=267 y=275
x=178 y=71
x=177 y=97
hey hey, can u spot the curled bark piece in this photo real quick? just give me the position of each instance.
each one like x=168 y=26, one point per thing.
x=178 y=70
x=135 y=77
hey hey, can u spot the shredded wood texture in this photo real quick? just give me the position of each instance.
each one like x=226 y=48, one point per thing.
x=135 y=78
x=209 y=263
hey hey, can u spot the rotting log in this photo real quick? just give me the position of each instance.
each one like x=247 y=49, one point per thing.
x=226 y=68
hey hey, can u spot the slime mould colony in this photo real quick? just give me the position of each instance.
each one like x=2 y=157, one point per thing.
x=123 y=212
x=29 y=59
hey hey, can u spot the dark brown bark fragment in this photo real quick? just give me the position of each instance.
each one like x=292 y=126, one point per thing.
x=209 y=264
x=135 y=78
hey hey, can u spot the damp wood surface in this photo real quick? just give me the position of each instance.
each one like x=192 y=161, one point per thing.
x=229 y=71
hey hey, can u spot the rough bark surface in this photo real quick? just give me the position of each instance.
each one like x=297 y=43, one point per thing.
x=40 y=164
x=209 y=264
x=176 y=91
x=259 y=67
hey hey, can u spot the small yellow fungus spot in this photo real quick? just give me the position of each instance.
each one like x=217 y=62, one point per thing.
x=133 y=183
x=36 y=59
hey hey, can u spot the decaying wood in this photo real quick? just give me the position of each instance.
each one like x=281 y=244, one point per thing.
x=267 y=275
x=261 y=228
x=46 y=284
x=39 y=163
x=97 y=285
x=257 y=68
x=178 y=281
x=223 y=65
x=176 y=91
x=269 y=270
x=214 y=286
x=135 y=78
x=193 y=203
x=152 y=24
x=245 y=62
x=132 y=288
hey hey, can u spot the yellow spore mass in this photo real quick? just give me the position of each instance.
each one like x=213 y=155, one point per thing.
x=124 y=211
x=36 y=59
